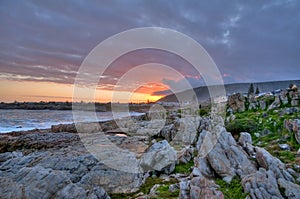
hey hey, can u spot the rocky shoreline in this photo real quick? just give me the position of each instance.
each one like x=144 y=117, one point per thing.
x=183 y=156
x=54 y=163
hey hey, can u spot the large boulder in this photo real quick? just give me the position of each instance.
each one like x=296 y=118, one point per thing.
x=245 y=140
x=113 y=181
x=284 y=97
x=268 y=162
x=160 y=157
x=291 y=190
x=225 y=157
x=236 y=102
x=38 y=182
x=261 y=184
x=201 y=187
x=293 y=125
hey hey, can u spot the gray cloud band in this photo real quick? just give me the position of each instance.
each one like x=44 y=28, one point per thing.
x=100 y=58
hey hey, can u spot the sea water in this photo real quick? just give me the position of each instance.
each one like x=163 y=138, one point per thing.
x=22 y=120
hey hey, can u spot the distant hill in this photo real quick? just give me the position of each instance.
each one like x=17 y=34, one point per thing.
x=203 y=94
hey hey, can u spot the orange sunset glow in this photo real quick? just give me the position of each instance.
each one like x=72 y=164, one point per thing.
x=46 y=91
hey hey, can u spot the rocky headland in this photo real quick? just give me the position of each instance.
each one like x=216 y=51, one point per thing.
x=253 y=154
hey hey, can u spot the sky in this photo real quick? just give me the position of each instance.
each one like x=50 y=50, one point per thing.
x=43 y=44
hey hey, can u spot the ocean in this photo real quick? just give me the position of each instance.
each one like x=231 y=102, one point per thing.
x=23 y=120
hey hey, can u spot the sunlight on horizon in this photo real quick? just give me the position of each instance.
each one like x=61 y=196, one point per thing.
x=25 y=91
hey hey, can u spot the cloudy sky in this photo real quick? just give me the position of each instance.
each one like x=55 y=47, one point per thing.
x=43 y=43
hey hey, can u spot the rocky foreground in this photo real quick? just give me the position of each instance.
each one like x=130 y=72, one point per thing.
x=55 y=163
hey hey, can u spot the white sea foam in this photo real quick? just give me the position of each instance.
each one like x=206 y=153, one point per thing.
x=20 y=120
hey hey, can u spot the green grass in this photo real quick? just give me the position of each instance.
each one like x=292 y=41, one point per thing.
x=184 y=168
x=146 y=187
x=254 y=122
x=163 y=193
x=285 y=156
x=234 y=190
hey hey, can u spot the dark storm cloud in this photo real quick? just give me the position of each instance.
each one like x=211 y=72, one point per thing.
x=48 y=40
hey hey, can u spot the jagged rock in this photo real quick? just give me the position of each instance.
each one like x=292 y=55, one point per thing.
x=174 y=187
x=37 y=141
x=36 y=182
x=284 y=97
x=186 y=154
x=168 y=132
x=268 y=162
x=262 y=104
x=245 y=140
x=291 y=190
x=201 y=187
x=202 y=168
x=226 y=158
x=261 y=184
x=187 y=131
x=253 y=106
x=184 y=192
x=150 y=128
x=98 y=192
x=111 y=180
x=71 y=191
x=275 y=104
x=295 y=99
x=71 y=128
x=293 y=125
x=236 y=102
x=160 y=157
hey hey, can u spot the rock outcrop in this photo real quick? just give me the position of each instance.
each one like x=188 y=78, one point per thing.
x=160 y=157
x=293 y=126
x=236 y=102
